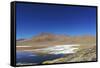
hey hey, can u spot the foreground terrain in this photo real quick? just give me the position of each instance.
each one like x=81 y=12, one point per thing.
x=65 y=49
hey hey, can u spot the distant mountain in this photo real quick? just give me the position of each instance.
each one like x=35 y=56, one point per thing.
x=21 y=39
x=43 y=37
x=84 y=39
x=48 y=39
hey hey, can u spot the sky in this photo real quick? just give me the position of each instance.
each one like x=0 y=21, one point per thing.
x=32 y=19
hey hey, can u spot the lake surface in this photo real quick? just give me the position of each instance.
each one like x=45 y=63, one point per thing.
x=29 y=57
x=54 y=52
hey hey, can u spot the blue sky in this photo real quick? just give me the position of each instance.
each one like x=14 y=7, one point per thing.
x=32 y=19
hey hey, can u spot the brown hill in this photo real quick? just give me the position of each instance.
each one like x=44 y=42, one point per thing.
x=43 y=37
x=47 y=39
